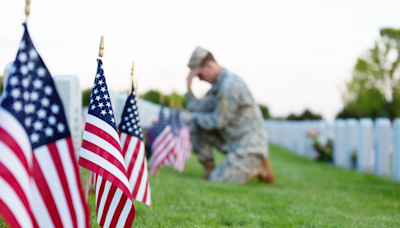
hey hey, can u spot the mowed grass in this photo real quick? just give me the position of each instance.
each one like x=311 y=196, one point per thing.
x=307 y=194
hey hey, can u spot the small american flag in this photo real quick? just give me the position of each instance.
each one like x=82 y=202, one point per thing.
x=163 y=144
x=40 y=184
x=101 y=154
x=183 y=144
x=133 y=150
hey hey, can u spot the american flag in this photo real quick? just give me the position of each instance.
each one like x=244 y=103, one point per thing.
x=101 y=154
x=173 y=122
x=183 y=144
x=39 y=177
x=133 y=150
x=163 y=144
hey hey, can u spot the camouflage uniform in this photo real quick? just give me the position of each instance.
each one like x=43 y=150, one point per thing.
x=229 y=119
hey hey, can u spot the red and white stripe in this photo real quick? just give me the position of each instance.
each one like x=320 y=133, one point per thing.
x=43 y=190
x=182 y=148
x=163 y=146
x=15 y=173
x=101 y=153
x=133 y=150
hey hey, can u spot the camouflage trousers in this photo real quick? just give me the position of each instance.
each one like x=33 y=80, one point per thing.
x=234 y=168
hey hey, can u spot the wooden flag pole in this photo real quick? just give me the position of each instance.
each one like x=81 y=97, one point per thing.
x=27 y=10
x=133 y=68
x=101 y=51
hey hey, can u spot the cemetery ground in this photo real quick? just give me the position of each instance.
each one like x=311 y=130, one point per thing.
x=307 y=194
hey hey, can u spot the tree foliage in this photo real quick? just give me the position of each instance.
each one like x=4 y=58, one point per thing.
x=86 y=97
x=154 y=96
x=374 y=90
x=265 y=111
x=306 y=115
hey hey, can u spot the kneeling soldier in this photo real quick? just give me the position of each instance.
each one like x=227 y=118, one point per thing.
x=229 y=119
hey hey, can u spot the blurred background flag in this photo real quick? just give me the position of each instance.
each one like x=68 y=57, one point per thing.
x=183 y=144
x=101 y=154
x=133 y=150
x=163 y=144
x=40 y=183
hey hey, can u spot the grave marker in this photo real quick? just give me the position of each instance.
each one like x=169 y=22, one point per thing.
x=70 y=93
x=396 y=151
x=351 y=142
x=383 y=141
x=365 y=145
x=339 y=142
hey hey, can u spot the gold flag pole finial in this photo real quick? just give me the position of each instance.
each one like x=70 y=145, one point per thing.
x=133 y=68
x=101 y=48
x=27 y=10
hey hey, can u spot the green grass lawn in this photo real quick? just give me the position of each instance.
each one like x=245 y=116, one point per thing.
x=307 y=194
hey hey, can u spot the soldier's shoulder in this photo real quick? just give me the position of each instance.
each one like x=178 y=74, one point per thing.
x=232 y=80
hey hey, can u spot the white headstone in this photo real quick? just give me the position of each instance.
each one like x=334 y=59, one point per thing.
x=5 y=77
x=119 y=106
x=396 y=151
x=339 y=142
x=70 y=93
x=351 y=141
x=365 y=145
x=383 y=142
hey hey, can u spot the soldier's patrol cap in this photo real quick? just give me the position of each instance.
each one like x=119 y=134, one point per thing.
x=197 y=58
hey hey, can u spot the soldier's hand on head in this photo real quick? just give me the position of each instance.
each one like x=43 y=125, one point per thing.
x=193 y=73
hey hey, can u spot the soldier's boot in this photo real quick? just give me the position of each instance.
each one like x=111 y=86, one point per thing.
x=209 y=166
x=264 y=172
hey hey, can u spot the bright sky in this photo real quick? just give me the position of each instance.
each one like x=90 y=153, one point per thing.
x=293 y=54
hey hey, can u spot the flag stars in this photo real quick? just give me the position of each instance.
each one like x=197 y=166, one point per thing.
x=101 y=105
x=34 y=96
x=93 y=107
x=98 y=76
x=95 y=91
x=126 y=118
x=15 y=93
x=132 y=101
x=38 y=125
x=14 y=81
x=28 y=122
x=45 y=102
x=30 y=108
x=22 y=57
x=60 y=128
x=100 y=82
x=33 y=54
x=17 y=106
x=137 y=132
x=52 y=120
x=130 y=129
x=103 y=112
x=103 y=89
x=105 y=97
x=112 y=120
x=55 y=108
x=26 y=96
x=110 y=112
x=24 y=70
x=22 y=45
x=13 y=69
x=49 y=132
x=133 y=121
x=48 y=90
x=91 y=101
x=98 y=98
x=31 y=66
x=34 y=137
x=41 y=72
x=129 y=110
x=25 y=82
x=37 y=84
x=41 y=114
x=108 y=104
x=131 y=115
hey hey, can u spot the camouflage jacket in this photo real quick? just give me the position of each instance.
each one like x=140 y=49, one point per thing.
x=230 y=109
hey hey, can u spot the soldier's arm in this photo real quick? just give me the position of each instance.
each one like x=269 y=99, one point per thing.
x=224 y=113
x=191 y=101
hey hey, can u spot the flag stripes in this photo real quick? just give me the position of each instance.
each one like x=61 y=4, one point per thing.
x=162 y=146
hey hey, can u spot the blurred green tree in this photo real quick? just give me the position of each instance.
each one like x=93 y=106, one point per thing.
x=374 y=90
x=306 y=115
x=154 y=96
x=264 y=111
x=1 y=84
x=86 y=97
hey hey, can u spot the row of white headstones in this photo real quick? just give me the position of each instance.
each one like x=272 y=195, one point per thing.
x=377 y=143
x=70 y=92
